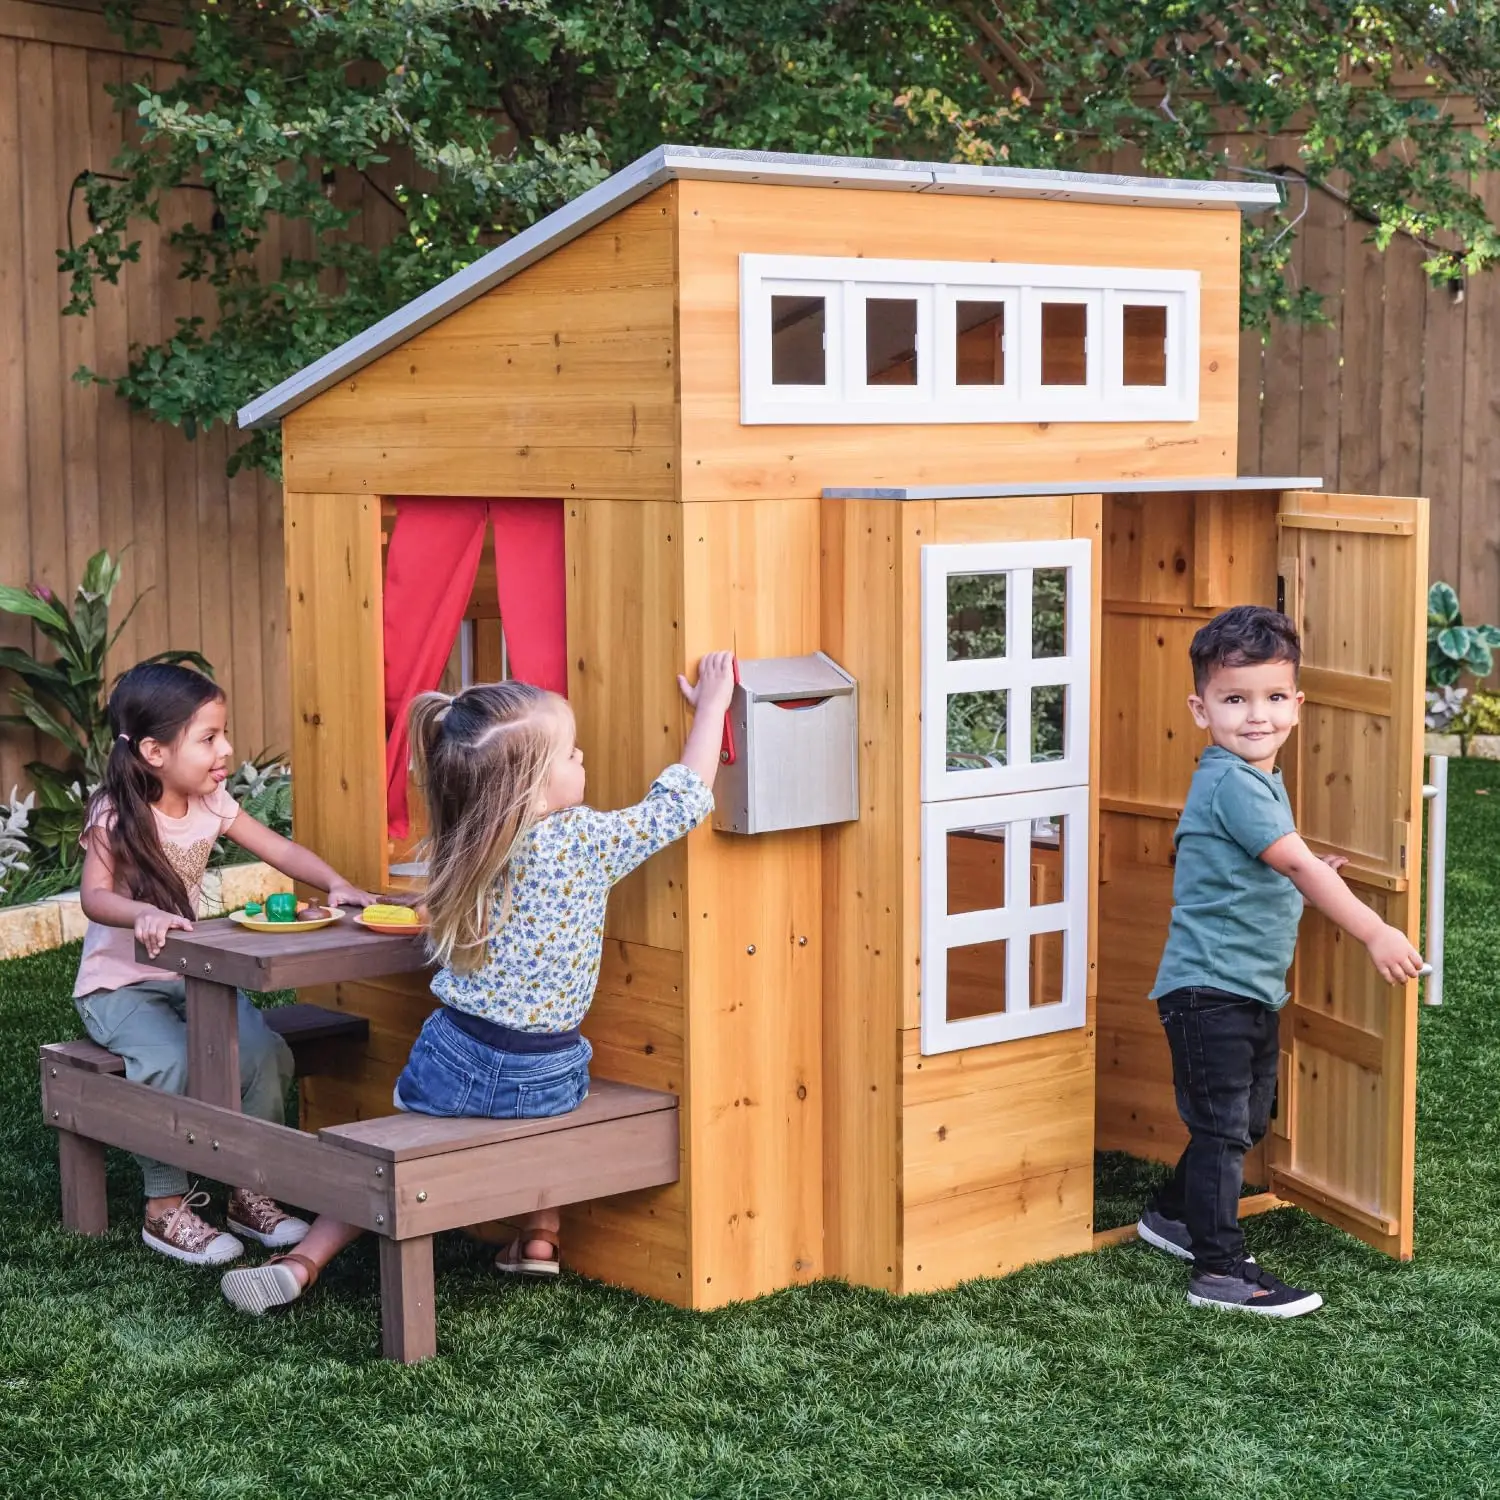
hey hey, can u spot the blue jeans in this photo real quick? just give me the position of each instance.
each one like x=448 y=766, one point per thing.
x=1224 y=1056
x=452 y=1073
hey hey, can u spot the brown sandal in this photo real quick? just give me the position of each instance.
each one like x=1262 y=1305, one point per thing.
x=257 y=1289
x=512 y=1260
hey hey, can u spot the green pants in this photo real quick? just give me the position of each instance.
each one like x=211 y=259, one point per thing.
x=146 y=1025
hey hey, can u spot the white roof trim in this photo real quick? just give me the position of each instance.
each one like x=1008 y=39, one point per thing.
x=695 y=163
x=1008 y=490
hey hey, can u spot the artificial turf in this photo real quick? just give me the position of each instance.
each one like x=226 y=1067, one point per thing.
x=124 y=1375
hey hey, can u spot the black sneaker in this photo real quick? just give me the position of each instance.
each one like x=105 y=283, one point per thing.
x=1249 y=1289
x=1166 y=1234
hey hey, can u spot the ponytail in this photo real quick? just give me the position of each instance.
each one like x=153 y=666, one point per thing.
x=154 y=701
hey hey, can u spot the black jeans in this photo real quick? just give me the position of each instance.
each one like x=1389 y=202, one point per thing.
x=1224 y=1054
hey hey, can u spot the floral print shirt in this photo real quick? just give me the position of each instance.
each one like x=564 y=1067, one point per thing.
x=543 y=962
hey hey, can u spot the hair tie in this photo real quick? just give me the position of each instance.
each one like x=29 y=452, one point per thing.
x=124 y=737
x=442 y=713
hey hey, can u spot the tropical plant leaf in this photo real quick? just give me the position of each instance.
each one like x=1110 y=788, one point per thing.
x=1489 y=634
x=16 y=601
x=1454 y=641
x=1480 y=660
x=49 y=725
x=135 y=604
x=38 y=673
x=1442 y=606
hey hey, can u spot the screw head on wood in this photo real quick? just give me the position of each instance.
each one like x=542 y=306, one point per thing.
x=380 y=1218
x=192 y=1139
x=751 y=950
x=215 y=1145
x=54 y=1114
x=802 y=942
x=380 y=1171
x=208 y=968
x=421 y=1197
x=183 y=962
x=54 y=1072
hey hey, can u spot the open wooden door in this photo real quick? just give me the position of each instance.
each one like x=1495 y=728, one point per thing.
x=1353 y=572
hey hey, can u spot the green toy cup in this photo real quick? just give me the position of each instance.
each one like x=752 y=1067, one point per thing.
x=281 y=907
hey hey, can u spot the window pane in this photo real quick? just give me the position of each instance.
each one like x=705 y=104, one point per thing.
x=976 y=730
x=890 y=341
x=1046 y=968
x=976 y=869
x=1049 y=612
x=1145 y=346
x=980 y=338
x=797 y=337
x=1065 y=327
x=1049 y=726
x=976 y=616
x=976 y=980
x=1048 y=852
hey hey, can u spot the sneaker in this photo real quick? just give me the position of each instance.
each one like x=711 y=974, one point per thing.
x=263 y=1219
x=184 y=1236
x=1247 y=1288
x=1166 y=1234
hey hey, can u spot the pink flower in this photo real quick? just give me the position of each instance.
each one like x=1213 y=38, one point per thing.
x=41 y=591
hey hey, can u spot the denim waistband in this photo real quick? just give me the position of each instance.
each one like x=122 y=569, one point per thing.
x=506 y=1038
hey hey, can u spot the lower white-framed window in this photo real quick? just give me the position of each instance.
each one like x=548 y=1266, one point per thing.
x=1004 y=889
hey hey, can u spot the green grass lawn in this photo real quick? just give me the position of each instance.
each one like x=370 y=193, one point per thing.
x=124 y=1375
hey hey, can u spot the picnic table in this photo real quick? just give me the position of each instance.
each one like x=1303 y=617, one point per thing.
x=405 y=1177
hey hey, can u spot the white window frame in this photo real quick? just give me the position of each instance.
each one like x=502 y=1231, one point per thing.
x=846 y=280
x=895 y=401
x=1144 y=402
x=981 y=403
x=1016 y=672
x=1016 y=923
x=755 y=345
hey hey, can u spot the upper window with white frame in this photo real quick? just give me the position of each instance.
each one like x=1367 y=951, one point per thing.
x=835 y=339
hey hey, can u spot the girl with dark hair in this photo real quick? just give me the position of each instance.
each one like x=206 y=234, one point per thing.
x=152 y=824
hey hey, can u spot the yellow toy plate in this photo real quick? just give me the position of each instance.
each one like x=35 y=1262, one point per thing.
x=258 y=922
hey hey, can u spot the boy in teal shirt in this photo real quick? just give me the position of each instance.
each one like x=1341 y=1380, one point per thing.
x=1241 y=878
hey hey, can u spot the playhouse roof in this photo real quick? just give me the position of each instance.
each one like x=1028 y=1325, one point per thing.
x=673 y=163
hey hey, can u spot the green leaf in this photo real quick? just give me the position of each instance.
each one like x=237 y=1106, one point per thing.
x=1480 y=660
x=16 y=601
x=1442 y=605
x=1454 y=642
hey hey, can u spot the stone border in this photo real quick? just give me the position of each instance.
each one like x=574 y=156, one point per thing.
x=48 y=924
x=1471 y=747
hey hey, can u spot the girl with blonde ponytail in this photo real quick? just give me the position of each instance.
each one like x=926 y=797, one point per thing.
x=519 y=872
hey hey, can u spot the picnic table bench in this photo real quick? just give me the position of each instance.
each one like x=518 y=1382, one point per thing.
x=405 y=1177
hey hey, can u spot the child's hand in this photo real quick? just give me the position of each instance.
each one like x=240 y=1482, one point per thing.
x=341 y=893
x=1393 y=955
x=1334 y=861
x=715 y=684
x=153 y=925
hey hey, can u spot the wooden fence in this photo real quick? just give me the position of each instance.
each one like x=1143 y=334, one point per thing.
x=1396 y=395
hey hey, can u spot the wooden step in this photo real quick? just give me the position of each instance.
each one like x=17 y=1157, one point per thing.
x=314 y=1034
x=407 y=1137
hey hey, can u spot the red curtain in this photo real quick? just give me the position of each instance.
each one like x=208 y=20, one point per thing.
x=430 y=568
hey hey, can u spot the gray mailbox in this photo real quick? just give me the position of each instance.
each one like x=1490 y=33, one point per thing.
x=795 y=729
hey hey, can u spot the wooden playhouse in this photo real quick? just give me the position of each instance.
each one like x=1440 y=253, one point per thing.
x=969 y=433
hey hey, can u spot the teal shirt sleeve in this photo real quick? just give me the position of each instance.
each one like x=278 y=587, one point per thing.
x=1249 y=811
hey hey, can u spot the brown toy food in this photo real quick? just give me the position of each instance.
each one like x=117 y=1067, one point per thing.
x=313 y=913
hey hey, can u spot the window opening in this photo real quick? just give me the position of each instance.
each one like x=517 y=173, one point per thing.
x=799 y=328
x=979 y=330
x=1144 y=345
x=890 y=341
x=1065 y=343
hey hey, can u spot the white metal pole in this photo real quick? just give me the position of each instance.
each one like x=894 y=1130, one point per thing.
x=1436 y=794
